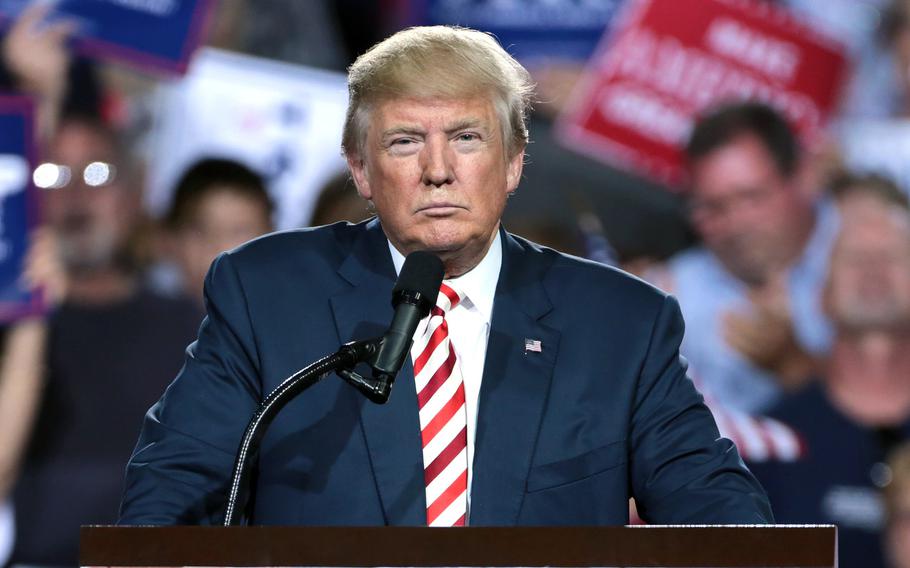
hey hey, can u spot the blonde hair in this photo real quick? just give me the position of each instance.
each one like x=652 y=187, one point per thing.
x=438 y=62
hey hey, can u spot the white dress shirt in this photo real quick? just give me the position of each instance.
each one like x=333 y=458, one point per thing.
x=7 y=530
x=469 y=329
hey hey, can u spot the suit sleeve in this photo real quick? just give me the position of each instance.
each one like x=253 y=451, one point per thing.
x=180 y=470
x=682 y=470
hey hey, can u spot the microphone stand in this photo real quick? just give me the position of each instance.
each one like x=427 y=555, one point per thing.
x=376 y=388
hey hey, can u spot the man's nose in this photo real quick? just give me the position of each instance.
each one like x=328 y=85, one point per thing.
x=437 y=166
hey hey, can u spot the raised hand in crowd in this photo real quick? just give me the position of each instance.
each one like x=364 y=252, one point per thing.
x=35 y=51
x=764 y=334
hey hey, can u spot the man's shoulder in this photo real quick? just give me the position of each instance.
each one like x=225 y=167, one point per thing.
x=577 y=279
x=307 y=239
x=311 y=244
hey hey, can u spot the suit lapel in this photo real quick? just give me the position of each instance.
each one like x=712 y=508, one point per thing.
x=392 y=430
x=514 y=389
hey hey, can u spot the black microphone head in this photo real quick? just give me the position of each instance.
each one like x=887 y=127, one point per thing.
x=419 y=281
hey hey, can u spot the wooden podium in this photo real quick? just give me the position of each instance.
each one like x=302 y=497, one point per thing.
x=655 y=546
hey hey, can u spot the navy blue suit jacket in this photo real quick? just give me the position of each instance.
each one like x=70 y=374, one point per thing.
x=563 y=436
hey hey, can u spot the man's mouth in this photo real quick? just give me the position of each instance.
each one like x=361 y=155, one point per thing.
x=440 y=209
x=75 y=222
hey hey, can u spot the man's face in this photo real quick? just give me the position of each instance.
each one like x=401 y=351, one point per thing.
x=223 y=219
x=745 y=210
x=438 y=175
x=869 y=280
x=93 y=223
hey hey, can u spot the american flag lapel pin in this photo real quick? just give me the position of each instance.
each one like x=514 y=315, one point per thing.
x=532 y=345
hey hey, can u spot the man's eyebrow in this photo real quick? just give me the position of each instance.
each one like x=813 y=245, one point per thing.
x=418 y=131
x=412 y=130
x=464 y=124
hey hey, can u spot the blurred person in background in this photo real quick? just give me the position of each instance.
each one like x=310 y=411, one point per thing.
x=897 y=508
x=750 y=292
x=339 y=201
x=853 y=192
x=895 y=34
x=34 y=61
x=859 y=410
x=100 y=356
x=217 y=205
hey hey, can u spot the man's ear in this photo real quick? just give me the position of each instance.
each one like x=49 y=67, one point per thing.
x=361 y=180
x=513 y=171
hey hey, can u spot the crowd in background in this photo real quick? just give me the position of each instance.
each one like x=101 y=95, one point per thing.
x=793 y=273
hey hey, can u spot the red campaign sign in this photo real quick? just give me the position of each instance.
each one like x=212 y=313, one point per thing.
x=667 y=60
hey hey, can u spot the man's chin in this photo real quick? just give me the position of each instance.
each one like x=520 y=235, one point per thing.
x=442 y=249
x=752 y=272
x=447 y=241
x=441 y=241
x=82 y=258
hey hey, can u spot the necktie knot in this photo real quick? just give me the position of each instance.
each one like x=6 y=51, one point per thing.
x=448 y=297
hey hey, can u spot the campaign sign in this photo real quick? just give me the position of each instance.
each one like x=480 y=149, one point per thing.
x=18 y=205
x=155 y=35
x=668 y=60
x=877 y=147
x=529 y=29
x=282 y=120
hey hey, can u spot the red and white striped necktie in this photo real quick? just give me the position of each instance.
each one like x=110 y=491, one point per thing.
x=443 y=422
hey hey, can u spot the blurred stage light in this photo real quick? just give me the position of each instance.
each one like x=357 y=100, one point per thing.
x=51 y=176
x=98 y=174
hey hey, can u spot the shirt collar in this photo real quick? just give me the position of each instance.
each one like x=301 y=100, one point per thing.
x=478 y=285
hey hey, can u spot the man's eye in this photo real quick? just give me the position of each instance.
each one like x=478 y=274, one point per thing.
x=468 y=137
x=402 y=142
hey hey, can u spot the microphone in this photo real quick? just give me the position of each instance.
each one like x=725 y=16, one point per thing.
x=413 y=296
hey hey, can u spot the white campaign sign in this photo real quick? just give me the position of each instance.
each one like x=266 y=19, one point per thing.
x=878 y=146
x=282 y=120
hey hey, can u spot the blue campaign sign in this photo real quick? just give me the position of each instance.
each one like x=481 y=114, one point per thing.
x=18 y=205
x=528 y=29
x=152 y=34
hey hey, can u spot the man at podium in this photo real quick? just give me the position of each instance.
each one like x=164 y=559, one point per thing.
x=541 y=390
